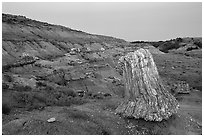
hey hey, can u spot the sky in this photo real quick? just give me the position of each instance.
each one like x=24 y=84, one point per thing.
x=130 y=21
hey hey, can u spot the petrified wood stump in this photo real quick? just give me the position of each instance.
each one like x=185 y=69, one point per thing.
x=145 y=95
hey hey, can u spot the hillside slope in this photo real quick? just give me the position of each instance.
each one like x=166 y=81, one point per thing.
x=41 y=60
x=21 y=35
x=180 y=44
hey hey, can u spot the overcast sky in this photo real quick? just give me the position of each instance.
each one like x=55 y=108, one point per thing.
x=129 y=21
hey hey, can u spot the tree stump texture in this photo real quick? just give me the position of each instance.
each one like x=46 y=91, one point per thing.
x=145 y=95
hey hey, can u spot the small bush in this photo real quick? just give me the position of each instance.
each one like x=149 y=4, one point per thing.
x=6 y=109
x=179 y=39
x=70 y=92
x=8 y=78
x=110 y=105
x=22 y=88
x=191 y=48
x=64 y=101
x=67 y=92
x=48 y=88
x=40 y=84
x=198 y=43
x=40 y=97
x=24 y=98
x=50 y=101
x=5 y=86
x=78 y=115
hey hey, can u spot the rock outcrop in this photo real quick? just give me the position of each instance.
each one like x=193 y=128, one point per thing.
x=145 y=95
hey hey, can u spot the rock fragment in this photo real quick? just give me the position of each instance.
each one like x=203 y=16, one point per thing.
x=51 y=120
x=181 y=87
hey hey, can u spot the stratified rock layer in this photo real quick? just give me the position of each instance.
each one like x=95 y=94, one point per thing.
x=145 y=95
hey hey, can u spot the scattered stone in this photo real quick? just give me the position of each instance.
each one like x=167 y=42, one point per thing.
x=107 y=95
x=178 y=61
x=181 y=87
x=81 y=93
x=51 y=120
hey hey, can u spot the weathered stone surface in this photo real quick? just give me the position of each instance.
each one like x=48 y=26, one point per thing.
x=145 y=95
x=13 y=126
x=181 y=87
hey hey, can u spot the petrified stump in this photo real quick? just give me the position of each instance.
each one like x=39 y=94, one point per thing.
x=145 y=95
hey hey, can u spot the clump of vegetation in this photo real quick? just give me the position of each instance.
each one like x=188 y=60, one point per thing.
x=6 y=109
x=165 y=47
x=179 y=39
x=191 y=48
x=76 y=114
x=198 y=43
x=68 y=101
x=70 y=92
x=47 y=96
x=40 y=84
x=5 y=86
x=8 y=78
x=21 y=88
x=23 y=99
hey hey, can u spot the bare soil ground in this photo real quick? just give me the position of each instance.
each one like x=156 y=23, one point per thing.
x=96 y=114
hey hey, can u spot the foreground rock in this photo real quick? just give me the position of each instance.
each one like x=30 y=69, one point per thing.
x=181 y=87
x=146 y=96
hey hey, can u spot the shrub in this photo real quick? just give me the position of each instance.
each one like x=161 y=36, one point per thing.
x=111 y=105
x=191 y=48
x=40 y=97
x=66 y=92
x=33 y=100
x=8 y=78
x=40 y=84
x=21 y=88
x=49 y=88
x=179 y=39
x=50 y=101
x=78 y=115
x=70 y=92
x=68 y=101
x=6 y=109
x=24 y=98
x=5 y=86
x=198 y=43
